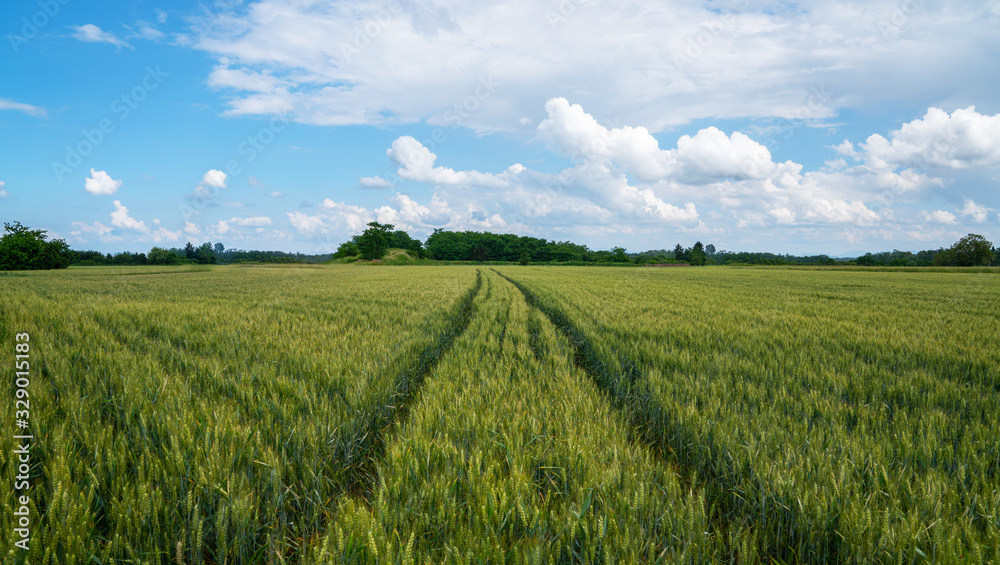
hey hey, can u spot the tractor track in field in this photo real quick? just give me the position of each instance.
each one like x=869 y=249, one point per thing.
x=676 y=443
x=355 y=452
x=359 y=452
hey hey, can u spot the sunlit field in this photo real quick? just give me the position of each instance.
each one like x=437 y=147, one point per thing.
x=507 y=414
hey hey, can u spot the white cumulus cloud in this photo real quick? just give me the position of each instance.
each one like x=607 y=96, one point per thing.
x=964 y=139
x=305 y=224
x=975 y=211
x=121 y=219
x=163 y=235
x=101 y=183
x=416 y=162
x=710 y=154
x=939 y=217
x=621 y=177
x=214 y=178
x=223 y=227
x=82 y=231
x=658 y=64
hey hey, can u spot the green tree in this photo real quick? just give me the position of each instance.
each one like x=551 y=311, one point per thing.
x=866 y=260
x=679 y=253
x=696 y=255
x=402 y=240
x=87 y=258
x=943 y=258
x=190 y=252
x=448 y=246
x=161 y=256
x=346 y=249
x=972 y=250
x=480 y=253
x=26 y=249
x=374 y=242
x=205 y=255
x=618 y=255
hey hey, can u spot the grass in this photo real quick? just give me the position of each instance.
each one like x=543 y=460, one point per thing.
x=839 y=416
x=506 y=414
x=511 y=455
x=222 y=412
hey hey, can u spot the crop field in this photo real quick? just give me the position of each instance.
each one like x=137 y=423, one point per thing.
x=506 y=414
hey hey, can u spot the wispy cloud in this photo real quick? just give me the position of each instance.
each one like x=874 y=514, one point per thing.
x=374 y=182
x=93 y=34
x=34 y=111
x=146 y=30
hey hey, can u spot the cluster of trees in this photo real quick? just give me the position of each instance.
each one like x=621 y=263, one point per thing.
x=972 y=250
x=91 y=258
x=377 y=240
x=241 y=256
x=23 y=249
x=765 y=258
x=700 y=254
x=481 y=246
x=205 y=254
x=472 y=246
x=897 y=258
x=697 y=254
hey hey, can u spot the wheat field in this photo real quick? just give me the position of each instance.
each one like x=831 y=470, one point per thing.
x=505 y=414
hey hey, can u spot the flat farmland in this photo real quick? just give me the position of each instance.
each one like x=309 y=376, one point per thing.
x=507 y=414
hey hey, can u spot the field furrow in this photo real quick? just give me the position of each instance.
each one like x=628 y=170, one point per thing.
x=652 y=425
x=796 y=429
x=511 y=455
x=214 y=415
x=361 y=450
x=348 y=414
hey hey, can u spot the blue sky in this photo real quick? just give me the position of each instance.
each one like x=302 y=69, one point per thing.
x=812 y=127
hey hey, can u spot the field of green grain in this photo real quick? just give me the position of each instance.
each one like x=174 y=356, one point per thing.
x=505 y=414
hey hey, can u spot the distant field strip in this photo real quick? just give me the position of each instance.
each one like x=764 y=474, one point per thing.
x=846 y=417
x=217 y=415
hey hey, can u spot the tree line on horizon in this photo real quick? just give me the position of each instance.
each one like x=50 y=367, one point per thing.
x=24 y=249
x=481 y=247
x=204 y=254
